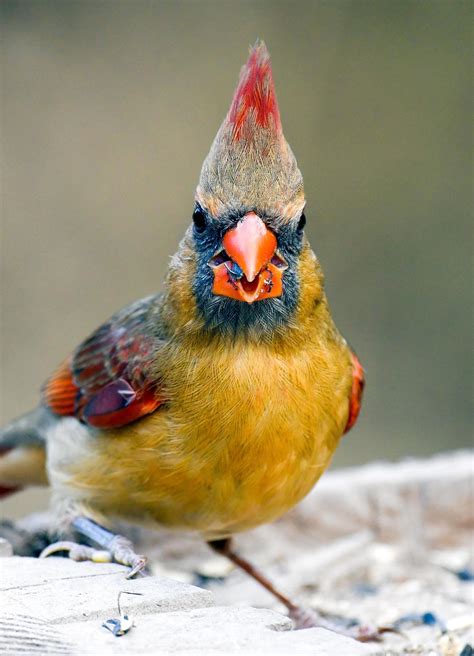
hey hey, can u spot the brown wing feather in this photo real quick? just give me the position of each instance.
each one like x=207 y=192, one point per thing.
x=109 y=381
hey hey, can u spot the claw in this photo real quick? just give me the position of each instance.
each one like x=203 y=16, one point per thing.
x=137 y=567
x=365 y=633
x=55 y=547
x=368 y=633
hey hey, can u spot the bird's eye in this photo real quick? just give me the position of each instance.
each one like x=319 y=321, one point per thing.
x=301 y=223
x=199 y=220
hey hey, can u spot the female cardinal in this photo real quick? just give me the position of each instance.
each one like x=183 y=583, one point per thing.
x=215 y=406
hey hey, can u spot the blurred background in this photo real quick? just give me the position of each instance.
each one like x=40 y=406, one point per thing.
x=107 y=111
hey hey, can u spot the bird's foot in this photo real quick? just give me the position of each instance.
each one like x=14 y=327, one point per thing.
x=120 y=550
x=306 y=618
x=124 y=553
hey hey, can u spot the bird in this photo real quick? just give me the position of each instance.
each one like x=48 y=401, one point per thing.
x=216 y=405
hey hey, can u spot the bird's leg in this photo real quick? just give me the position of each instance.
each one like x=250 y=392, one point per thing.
x=224 y=548
x=303 y=618
x=114 y=547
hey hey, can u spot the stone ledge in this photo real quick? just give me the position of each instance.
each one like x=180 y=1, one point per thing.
x=219 y=630
x=57 y=606
x=57 y=590
x=198 y=632
x=438 y=490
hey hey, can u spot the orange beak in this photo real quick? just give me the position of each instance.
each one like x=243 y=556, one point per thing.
x=248 y=269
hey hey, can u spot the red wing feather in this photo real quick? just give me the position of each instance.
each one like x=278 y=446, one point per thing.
x=358 y=383
x=108 y=382
x=60 y=392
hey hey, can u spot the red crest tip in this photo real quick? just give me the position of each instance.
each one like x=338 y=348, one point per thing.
x=254 y=102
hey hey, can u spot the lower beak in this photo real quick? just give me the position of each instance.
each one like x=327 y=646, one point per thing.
x=248 y=267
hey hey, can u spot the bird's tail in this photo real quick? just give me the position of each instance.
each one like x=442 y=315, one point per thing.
x=22 y=451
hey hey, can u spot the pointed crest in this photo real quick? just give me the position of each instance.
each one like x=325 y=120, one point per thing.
x=250 y=166
x=254 y=103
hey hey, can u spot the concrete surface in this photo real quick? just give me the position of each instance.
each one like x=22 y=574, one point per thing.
x=57 y=606
x=58 y=590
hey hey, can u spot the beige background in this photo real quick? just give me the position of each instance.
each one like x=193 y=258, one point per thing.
x=107 y=111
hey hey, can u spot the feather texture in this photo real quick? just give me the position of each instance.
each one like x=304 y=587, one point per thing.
x=247 y=429
x=108 y=381
x=254 y=104
x=358 y=384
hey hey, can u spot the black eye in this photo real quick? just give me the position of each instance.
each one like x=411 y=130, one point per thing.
x=199 y=220
x=301 y=223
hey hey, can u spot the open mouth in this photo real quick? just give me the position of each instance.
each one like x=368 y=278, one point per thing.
x=250 y=287
x=230 y=280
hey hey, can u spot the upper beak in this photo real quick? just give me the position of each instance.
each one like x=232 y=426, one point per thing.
x=250 y=244
x=249 y=268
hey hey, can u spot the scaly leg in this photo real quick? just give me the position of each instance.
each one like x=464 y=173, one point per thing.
x=304 y=618
x=114 y=547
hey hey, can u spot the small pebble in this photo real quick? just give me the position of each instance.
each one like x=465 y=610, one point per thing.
x=215 y=568
x=467 y=651
x=365 y=589
x=6 y=549
x=119 y=627
x=460 y=622
x=449 y=645
x=465 y=574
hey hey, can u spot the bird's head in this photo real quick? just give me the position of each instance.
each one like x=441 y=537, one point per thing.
x=248 y=220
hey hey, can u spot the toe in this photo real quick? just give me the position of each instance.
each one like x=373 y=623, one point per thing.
x=78 y=552
x=56 y=547
x=304 y=618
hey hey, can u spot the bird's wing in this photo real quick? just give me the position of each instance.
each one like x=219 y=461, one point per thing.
x=355 y=400
x=109 y=380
